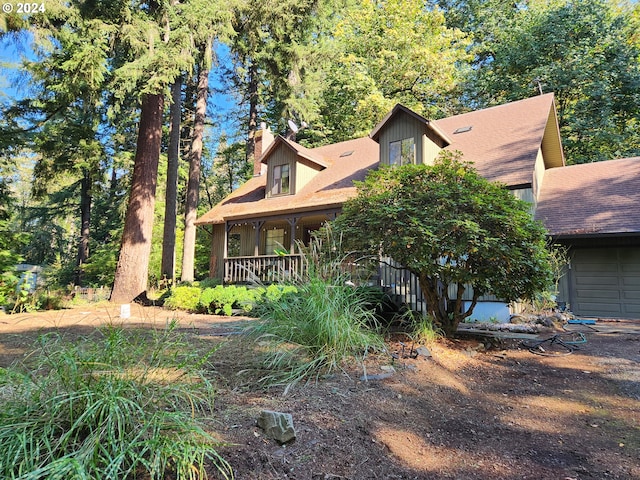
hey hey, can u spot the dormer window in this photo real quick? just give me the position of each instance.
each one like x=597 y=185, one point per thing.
x=402 y=152
x=281 y=184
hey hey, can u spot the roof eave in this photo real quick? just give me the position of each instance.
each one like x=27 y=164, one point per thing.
x=576 y=236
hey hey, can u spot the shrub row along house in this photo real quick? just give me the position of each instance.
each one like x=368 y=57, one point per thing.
x=593 y=209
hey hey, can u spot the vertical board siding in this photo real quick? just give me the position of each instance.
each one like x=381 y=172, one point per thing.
x=430 y=149
x=538 y=175
x=526 y=194
x=402 y=127
x=304 y=174
x=216 y=264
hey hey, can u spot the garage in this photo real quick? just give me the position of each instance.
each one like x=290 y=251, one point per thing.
x=605 y=282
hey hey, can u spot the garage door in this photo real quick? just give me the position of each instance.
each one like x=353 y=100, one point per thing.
x=606 y=282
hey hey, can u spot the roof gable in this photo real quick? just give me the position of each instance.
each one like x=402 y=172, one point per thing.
x=400 y=110
x=310 y=155
x=329 y=188
x=503 y=141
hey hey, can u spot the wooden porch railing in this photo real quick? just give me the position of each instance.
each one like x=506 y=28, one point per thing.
x=401 y=285
x=393 y=278
x=397 y=281
x=263 y=269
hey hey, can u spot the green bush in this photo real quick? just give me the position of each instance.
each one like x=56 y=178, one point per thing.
x=222 y=300
x=183 y=297
x=8 y=284
x=274 y=292
x=115 y=406
x=208 y=283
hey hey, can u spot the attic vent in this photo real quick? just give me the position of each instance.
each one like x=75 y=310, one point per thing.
x=346 y=154
x=463 y=129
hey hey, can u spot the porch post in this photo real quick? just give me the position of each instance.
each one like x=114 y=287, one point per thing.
x=257 y=225
x=225 y=251
x=227 y=228
x=293 y=221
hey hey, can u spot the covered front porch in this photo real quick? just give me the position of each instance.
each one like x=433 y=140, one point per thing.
x=264 y=249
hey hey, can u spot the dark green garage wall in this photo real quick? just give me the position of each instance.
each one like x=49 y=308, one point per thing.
x=603 y=282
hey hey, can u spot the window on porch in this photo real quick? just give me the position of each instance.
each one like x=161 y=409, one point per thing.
x=233 y=245
x=274 y=241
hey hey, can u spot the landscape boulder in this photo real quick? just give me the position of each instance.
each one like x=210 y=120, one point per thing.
x=277 y=425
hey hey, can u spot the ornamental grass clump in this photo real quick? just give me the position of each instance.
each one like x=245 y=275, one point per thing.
x=118 y=405
x=421 y=328
x=311 y=331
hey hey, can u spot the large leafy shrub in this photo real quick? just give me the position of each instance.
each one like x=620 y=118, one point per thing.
x=222 y=300
x=451 y=228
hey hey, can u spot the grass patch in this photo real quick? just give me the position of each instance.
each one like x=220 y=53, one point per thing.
x=118 y=405
x=312 y=332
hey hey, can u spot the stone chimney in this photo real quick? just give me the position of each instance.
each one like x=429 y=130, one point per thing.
x=261 y=141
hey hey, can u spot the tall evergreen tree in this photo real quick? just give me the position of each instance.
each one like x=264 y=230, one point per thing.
x=181 y=28
x=195 y=157
x=171 y=191
x=273 y=53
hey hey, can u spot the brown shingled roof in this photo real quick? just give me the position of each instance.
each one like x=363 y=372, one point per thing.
x=503 y=141
x=330 y=187
x=592 y=198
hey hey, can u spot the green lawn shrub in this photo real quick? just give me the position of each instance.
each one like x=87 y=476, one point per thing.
x=184 y=297
x=117 y=405
x=275 y=292
x=223 y=300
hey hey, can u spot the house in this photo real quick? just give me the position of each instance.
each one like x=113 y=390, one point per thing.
x=296 y=189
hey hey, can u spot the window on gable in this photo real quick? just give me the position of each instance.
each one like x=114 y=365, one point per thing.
x=281 y=177
x=402 y=152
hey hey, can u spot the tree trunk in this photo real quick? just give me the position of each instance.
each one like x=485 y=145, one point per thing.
x=253 y=112
x=193 y=185
x=171 y=201
x=133 y=263
x=85 y=223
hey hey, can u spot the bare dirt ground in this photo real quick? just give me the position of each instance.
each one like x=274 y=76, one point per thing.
x=465 y=413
